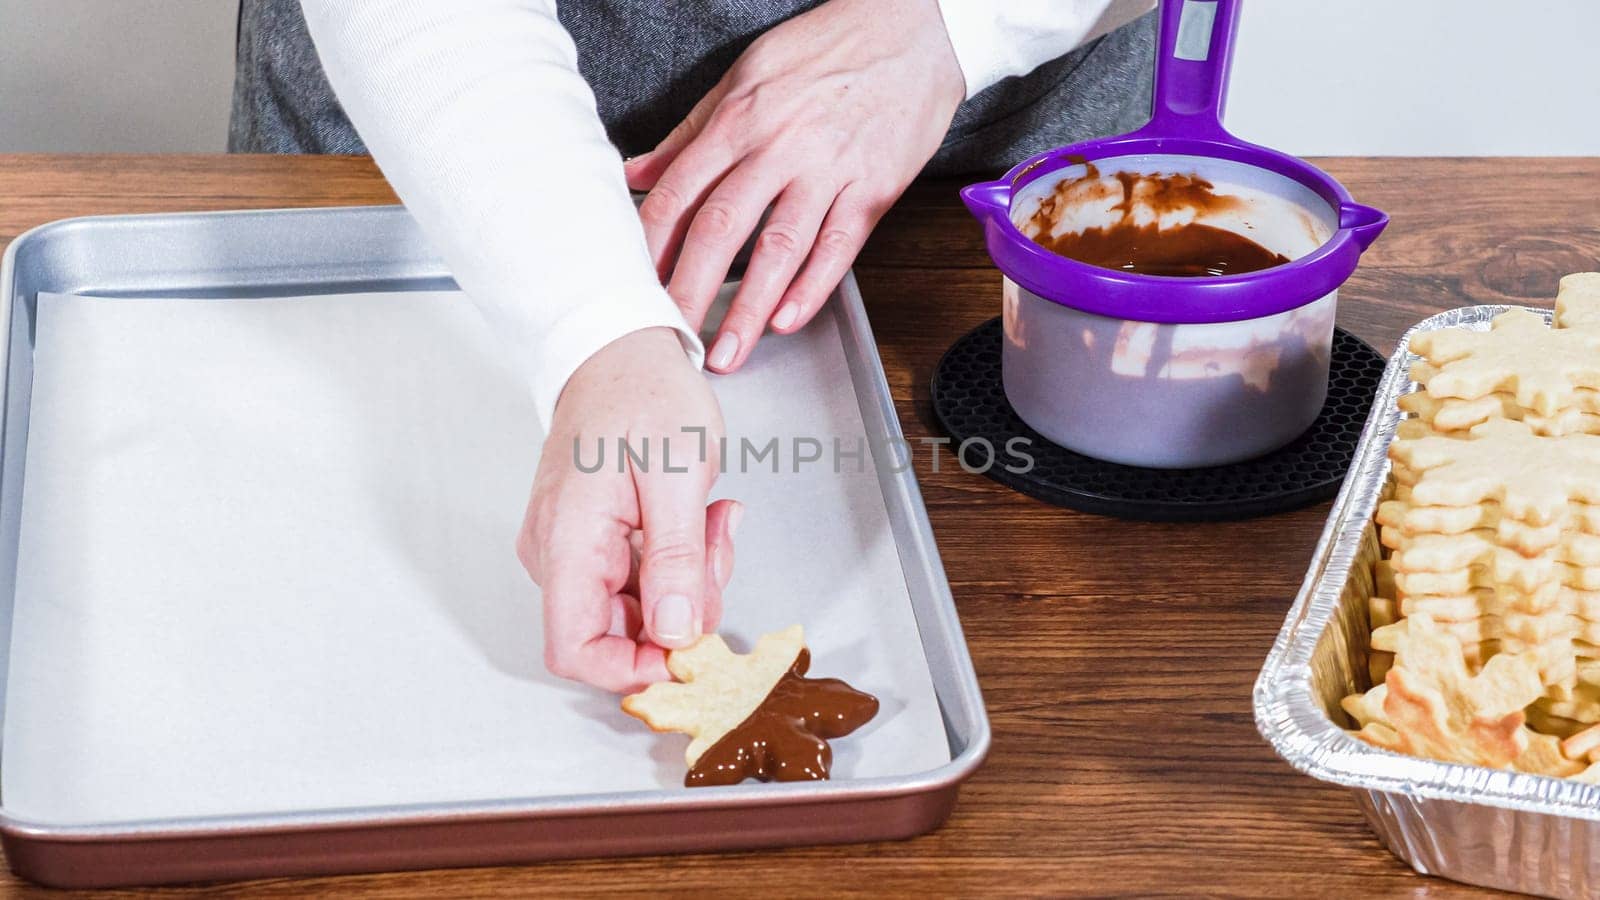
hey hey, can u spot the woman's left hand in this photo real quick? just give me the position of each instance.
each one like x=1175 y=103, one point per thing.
x=827 y=118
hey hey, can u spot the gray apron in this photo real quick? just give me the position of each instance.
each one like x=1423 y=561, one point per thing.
x=649 y=63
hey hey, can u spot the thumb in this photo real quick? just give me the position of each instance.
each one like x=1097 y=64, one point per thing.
x=672 y=565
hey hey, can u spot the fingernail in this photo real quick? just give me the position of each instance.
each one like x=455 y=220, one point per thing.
x=674 y=620
x=787 y=314
x=723 y=351
x=735 y=516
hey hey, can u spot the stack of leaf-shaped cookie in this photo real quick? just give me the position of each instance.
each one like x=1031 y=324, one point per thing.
x=1493 y=529
x=1520 y=369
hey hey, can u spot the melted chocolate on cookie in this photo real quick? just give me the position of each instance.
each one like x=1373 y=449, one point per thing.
x=786 y=738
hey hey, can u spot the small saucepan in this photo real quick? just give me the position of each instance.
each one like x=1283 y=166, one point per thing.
x=1172 y=370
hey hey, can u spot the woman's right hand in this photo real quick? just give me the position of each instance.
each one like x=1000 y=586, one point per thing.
x=630 y=558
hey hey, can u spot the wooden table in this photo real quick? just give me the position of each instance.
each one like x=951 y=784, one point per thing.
x=1116 y=658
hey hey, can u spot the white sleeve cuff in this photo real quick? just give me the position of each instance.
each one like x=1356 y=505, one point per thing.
x=586 y=329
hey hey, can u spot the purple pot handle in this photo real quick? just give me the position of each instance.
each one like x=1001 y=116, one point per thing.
x=1191 y=78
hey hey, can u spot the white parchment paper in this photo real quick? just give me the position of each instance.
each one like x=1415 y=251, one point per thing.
x=267 y=565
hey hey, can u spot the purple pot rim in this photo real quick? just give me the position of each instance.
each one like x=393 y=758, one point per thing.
x=1171 y=299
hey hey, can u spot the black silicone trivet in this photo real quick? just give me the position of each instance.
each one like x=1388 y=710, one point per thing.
x=970 y=403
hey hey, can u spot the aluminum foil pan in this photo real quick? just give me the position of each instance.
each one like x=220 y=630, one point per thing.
x=1501 y=829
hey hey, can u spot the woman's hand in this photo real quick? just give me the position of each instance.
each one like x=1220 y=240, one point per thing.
x=830 y=115
x=630 y=558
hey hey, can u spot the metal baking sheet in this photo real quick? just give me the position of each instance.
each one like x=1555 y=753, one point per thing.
x=1490 y=827
x=301 y=252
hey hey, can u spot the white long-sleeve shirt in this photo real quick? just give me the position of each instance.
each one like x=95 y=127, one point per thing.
x=476 y=113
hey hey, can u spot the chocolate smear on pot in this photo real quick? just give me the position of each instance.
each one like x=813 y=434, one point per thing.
x=786 y=737
x=1136 y=242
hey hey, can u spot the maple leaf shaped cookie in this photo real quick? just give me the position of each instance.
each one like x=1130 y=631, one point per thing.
x=1529 y=540
x=1580 y=703
x=1551 y=599
x=1450 y=414
x=1429 y=705
x=1555 y=659
x=1524 y=579
x=1532 y=477
x=1578 y=301
x=1479 y=547
x=752 y=715
x=1542 y=367
x=1411 y=518
x=1522 y=629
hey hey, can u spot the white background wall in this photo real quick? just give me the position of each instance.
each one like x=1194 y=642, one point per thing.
x=1419 y=77
x=115 y=75
x=1453 y=77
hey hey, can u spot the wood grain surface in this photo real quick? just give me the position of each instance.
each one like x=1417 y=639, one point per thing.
x=1116 y=658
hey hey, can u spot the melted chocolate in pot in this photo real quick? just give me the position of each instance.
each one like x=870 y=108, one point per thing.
x=1191 y=250
x=786 y=738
